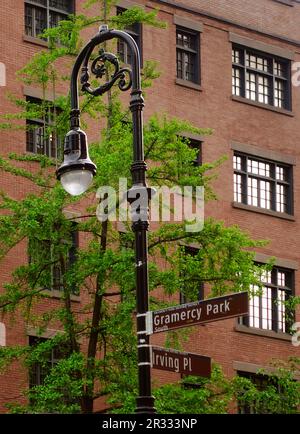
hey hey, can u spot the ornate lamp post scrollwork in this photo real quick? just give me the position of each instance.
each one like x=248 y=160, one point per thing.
x=98 y=68
x=77 y=171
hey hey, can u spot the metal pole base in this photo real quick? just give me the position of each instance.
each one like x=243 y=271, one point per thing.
x=145 y=404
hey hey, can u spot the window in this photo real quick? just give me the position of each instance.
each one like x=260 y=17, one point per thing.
x=189 y=286
x=43 y=252
x=197 y=145
x=262 y=183
x=267 y=307
x=39 y=371
x=40 y=135
x=187 y=55
x=261 y=382
x=123 y=50
x=43 y=14
x=260 y=77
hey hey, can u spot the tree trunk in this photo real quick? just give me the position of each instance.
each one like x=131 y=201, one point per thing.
x=87 y=405
x=87 y=401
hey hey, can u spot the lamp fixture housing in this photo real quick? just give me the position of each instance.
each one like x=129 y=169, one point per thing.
x=77 y=170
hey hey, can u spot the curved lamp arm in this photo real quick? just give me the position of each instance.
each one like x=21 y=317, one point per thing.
x=75 y=148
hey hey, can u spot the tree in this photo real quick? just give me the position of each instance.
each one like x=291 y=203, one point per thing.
x=277 y=393
x=97 y=355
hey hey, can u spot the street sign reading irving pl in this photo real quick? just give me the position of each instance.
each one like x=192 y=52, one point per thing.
x=185 y=363
x=199 y=312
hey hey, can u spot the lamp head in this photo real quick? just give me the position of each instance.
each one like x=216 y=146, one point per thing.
x=77 y=170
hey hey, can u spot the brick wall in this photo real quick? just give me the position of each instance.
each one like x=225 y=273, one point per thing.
x=210 y=107
x=232 y=121
x=262 y=15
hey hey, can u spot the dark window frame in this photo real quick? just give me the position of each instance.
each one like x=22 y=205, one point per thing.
x=38 y=141
x=243 y=175
x=37 y=373
x=192 y=53
x=47 y=12
x=273 y=287
x=136 y=31
x=55 y=268
x=198 y=145
x=56 y=272
x=240 y=71
x=261 y=382
x=194 y=143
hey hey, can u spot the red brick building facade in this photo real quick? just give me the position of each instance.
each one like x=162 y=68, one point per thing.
x=226 y=65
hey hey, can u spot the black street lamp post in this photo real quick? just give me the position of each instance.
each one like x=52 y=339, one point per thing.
x=77 y=171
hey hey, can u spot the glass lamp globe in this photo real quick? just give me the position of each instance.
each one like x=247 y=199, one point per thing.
x=77 y=170
x=77 y=181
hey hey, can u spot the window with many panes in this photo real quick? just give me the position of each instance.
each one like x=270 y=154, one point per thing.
x=123 y=50
x=261 y=382
x=41 y=137
x=44 y=14
x=187 y=55
x=268 y=307
x=260 y=77
x=47 y=255
x=262 y=183
x=39 y=371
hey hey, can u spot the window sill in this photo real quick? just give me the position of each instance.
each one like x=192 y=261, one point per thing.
x=264 y=333
x=285 y=2
x=188 y=84
x=269 y=212
x=36 y=41
x=59 y=294
x=263 y=106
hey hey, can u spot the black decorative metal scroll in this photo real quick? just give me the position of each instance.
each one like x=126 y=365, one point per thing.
x=99 y=69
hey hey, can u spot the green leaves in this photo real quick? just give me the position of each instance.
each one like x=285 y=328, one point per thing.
x=136 y=14
x=223 y=260
x=62 y=389
x=219 y=394
x=99 y=332
x=278 y=392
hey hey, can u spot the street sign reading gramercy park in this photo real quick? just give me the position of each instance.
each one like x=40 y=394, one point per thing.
x=199 y=312
x=185 y=363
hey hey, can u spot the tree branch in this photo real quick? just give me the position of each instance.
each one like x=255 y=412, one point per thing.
x=166 y=240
